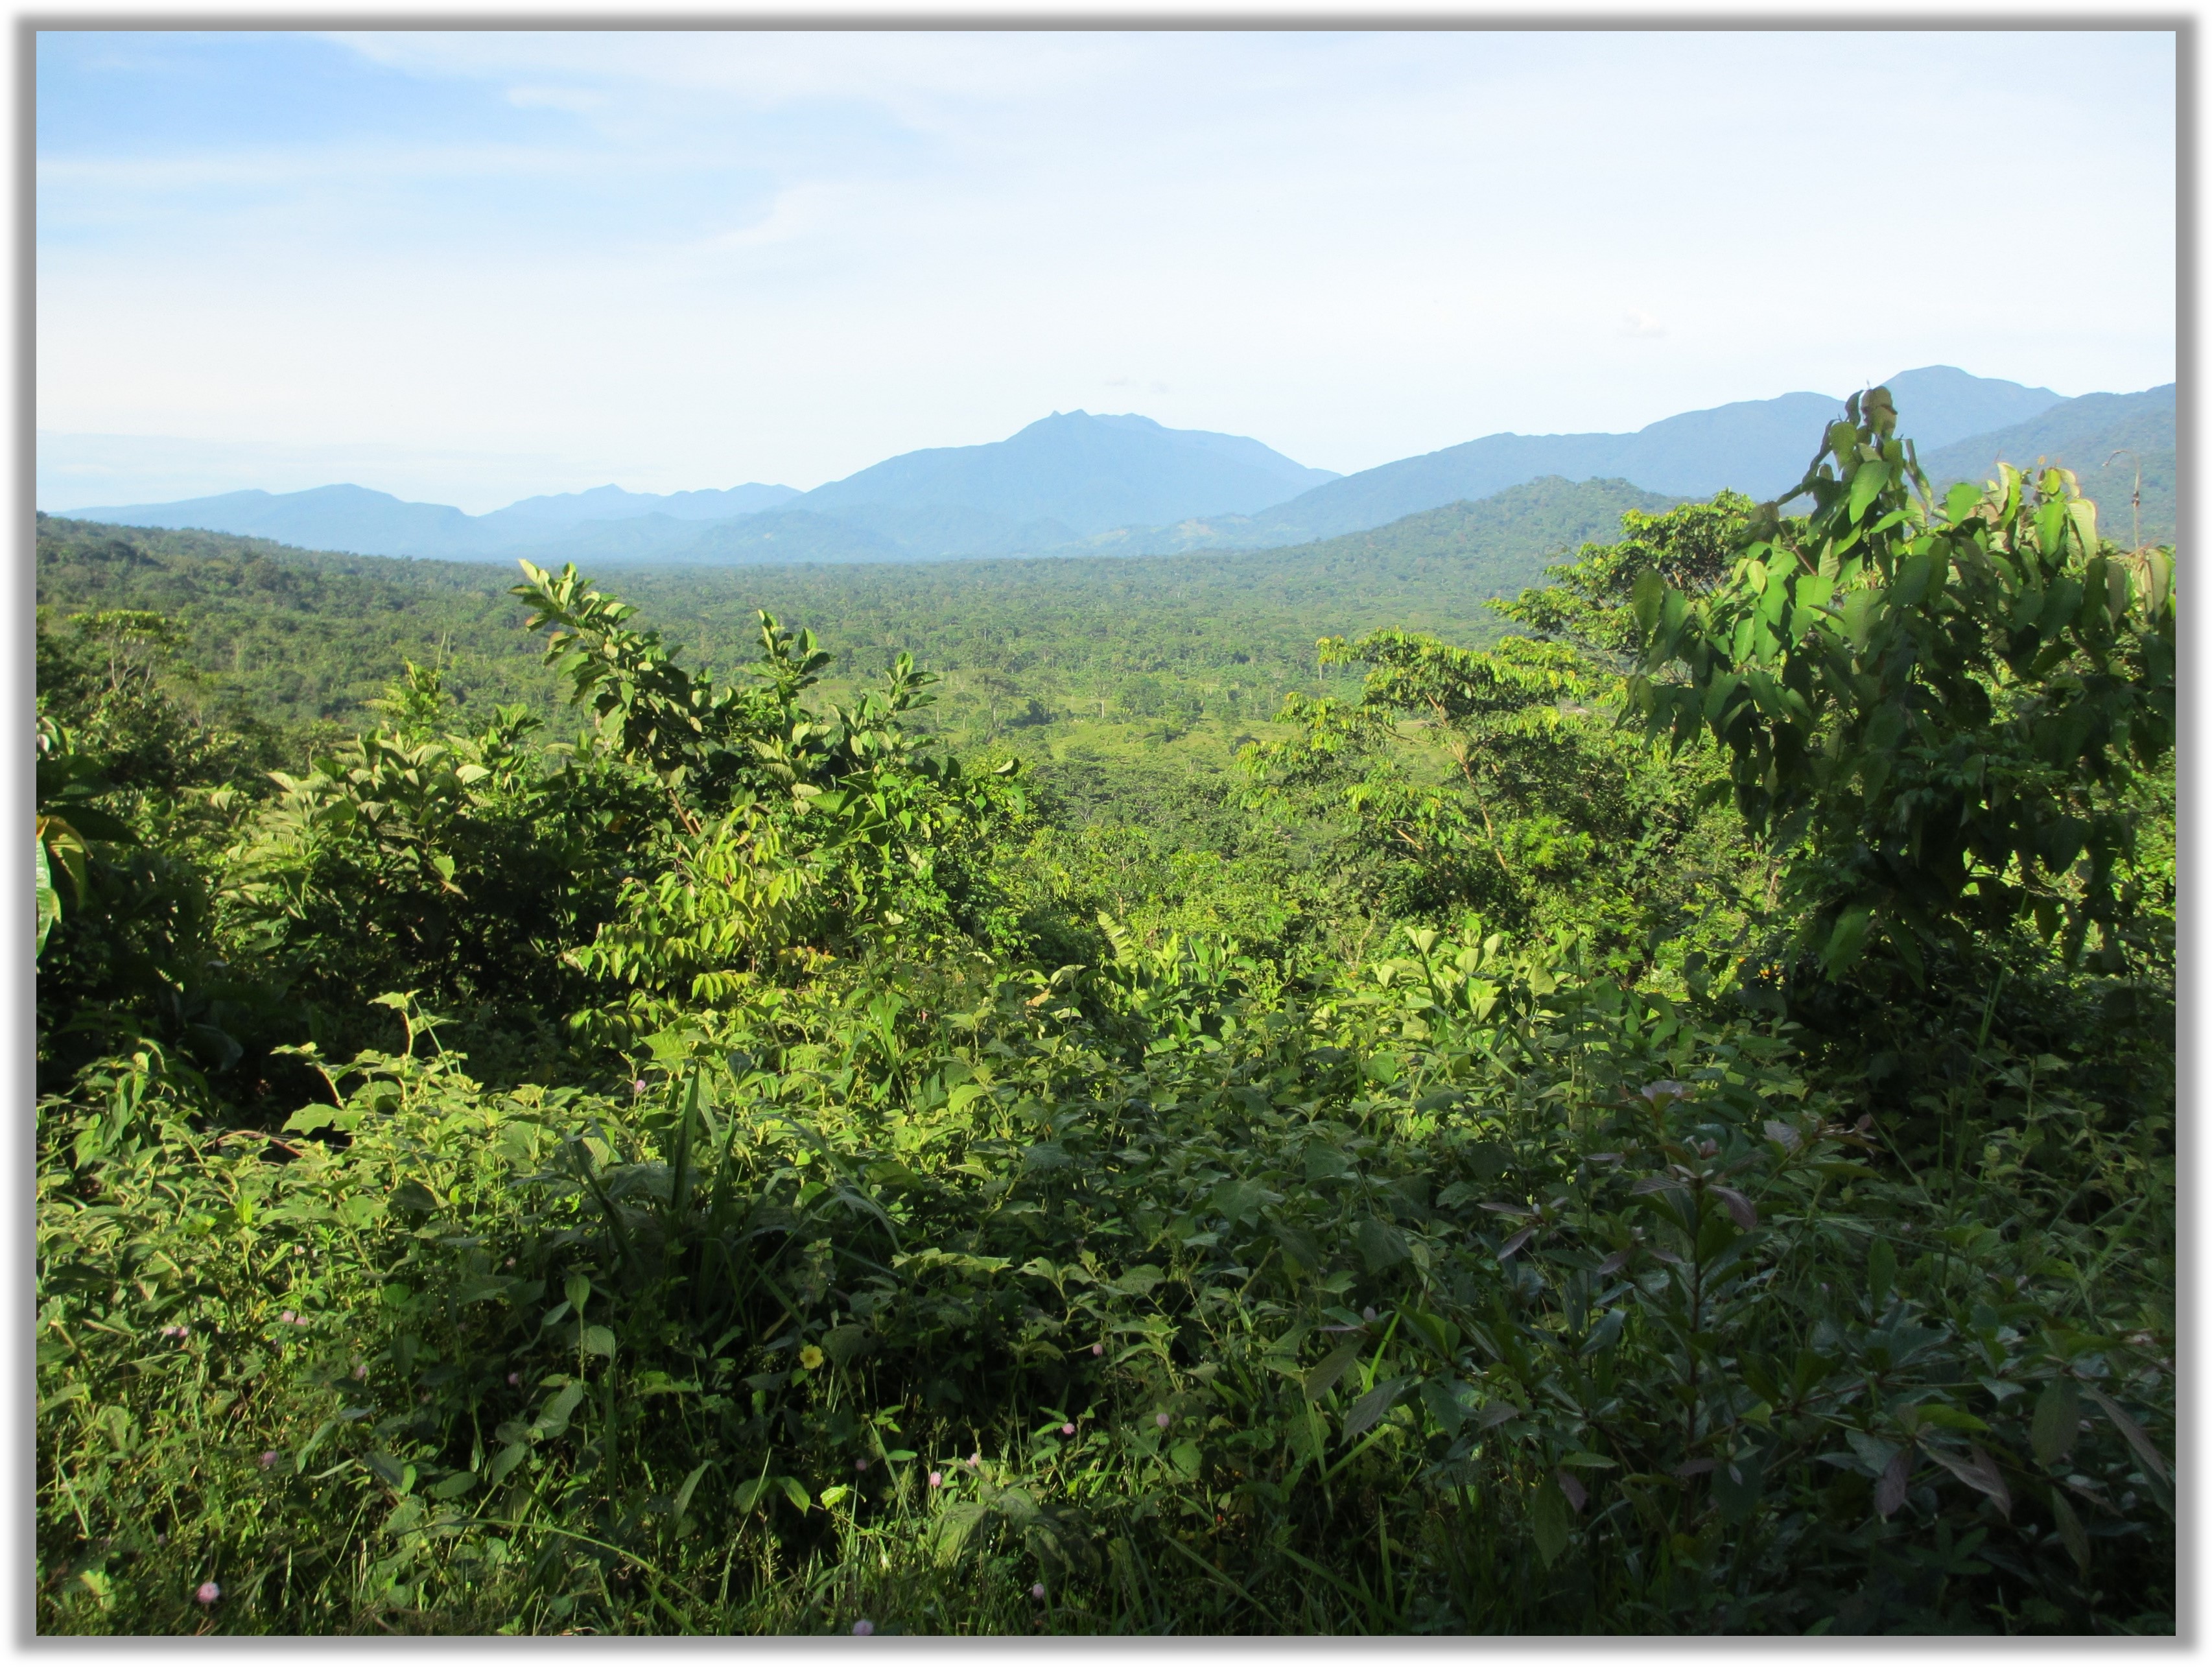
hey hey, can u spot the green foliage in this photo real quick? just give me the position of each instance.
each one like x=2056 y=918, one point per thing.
x=1546 y=818
x=785 y=1170
x=1229 y=631
x=303 y=640
x=135 y=795
x=1505 y=1296
x=1692 y=547
x=463 y=865
x=1950 y=709
x=593 y=880
x=2121 y=448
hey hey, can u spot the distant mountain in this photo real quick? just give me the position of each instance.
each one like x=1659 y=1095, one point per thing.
x=370 y=523
x=1056 y=480
x=1075 y=485
x=1759 y=447
x=611 y=503
x=1036 y=493
x=1938 y=404
x=324 y=518
x=2083 y=434
x=928 y=530
x=653 y=537
x=786 y=535
x=1088 y=473
x=306 y=635
x=1490 y=547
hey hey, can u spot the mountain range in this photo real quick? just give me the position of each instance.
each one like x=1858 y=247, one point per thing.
x=2090 y=435
x=1075 y=483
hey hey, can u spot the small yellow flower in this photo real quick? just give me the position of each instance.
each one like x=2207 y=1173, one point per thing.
x=810 y=1357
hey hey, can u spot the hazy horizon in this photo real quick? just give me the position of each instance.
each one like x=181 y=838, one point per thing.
x=297 y=465
x=469 y=268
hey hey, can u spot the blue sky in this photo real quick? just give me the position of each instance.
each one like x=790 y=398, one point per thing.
x=466 y=267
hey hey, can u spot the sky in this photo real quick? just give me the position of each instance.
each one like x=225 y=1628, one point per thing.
x=466 y=267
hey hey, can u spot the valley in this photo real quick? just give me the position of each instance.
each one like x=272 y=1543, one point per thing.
x=1383 y=1084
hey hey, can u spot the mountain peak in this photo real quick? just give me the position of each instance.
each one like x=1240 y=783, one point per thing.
x=1085 y=472
x=1075 y=477
x=1938 y=404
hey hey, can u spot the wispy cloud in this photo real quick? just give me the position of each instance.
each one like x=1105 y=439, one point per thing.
x=811 y=210
x=577 y=100
x=736 y=254
x=349 y=165
x=912 y=73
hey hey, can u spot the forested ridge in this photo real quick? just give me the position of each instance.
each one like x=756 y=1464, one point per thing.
x=1579 y=1062
x=265 y=619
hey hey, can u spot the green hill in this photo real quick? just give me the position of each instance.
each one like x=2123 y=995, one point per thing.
x=303 y=635
x=298 y=635
x=2083 y=434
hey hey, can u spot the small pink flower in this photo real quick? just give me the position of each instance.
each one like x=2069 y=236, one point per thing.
x=208 y=1593
x=860 y=1465
x=514 y=1380
x=362 y=1371
x=1037 y=1591
x=637 y=1086
x=287 y=1318
x=974 y=1459
x=1098 y=1348
x=863 y=1628
x=937 y=1478
x=1067 y=1429
x=1161 y=1418
x=269 y=1458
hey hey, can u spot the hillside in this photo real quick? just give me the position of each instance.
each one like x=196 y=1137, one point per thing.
x=298 y=636
x=2083 y=434
x=1251 y=614
x=1757 y=447
x=1091 y=473
x=612 y=503
x=1056 y=480
x=358 y=520
x=303 y=635
x=867 y=532
x=324 y=517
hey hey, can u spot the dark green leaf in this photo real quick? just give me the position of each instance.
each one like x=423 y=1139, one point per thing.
x=2057 y=1422
x=1368 y=1409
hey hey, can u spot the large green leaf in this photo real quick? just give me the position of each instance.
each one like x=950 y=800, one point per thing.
x=49 y=900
